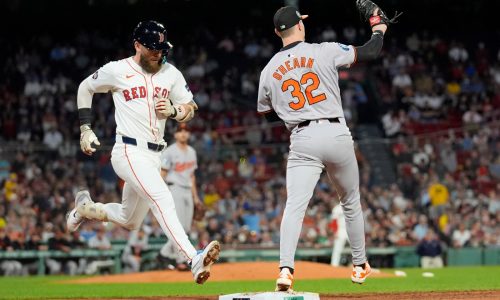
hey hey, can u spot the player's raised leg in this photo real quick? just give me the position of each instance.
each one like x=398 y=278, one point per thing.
x=131 y=212
x=300 y=182
x=139 y=168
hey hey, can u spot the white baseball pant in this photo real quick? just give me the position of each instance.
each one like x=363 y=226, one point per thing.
x=144 y=190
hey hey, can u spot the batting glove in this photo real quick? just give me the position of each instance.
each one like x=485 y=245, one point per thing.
x=164 y=108
x=87 y=137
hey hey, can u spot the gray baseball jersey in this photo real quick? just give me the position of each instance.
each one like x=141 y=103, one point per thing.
x=180 y=164
x=301 y=82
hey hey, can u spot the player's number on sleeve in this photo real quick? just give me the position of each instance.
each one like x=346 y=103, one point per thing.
x=300 y=96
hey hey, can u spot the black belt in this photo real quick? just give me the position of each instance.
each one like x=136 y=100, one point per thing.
x=307 y=122
x=151 y=146
x=181 y=186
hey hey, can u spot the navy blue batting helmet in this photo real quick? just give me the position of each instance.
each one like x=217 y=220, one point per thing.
x=152 y=35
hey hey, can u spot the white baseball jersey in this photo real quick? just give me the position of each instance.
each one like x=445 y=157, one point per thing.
x=301 y=82
x=134 y=93
x=180 y=164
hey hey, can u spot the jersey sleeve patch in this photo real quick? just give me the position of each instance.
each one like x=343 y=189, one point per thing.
x=343 y=47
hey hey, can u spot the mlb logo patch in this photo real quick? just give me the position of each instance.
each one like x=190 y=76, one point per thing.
x=343 y=47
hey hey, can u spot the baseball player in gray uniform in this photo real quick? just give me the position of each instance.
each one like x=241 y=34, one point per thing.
x=178 y=163
x=299 y=85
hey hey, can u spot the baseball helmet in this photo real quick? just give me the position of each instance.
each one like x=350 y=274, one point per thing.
x=152 y=35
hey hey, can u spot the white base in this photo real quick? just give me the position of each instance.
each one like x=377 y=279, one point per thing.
x=271 y=296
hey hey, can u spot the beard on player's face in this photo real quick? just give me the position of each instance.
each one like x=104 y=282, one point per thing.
x=149 y=63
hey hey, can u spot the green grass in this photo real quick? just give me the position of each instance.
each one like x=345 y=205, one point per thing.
x=447 y=279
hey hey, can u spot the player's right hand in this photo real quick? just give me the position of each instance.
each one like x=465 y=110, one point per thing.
x=87 y=137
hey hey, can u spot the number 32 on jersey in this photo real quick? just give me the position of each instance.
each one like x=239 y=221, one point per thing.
x=295 y=88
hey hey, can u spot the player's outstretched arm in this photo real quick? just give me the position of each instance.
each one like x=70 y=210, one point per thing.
x=378 y=22
x=371 y=49
x=84 y=102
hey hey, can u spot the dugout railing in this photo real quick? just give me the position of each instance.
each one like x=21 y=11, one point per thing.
x=400 y=257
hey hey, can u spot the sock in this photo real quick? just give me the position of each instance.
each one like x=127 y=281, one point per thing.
x=290 y=269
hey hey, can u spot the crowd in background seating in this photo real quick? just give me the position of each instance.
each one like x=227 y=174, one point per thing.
x=448 y=183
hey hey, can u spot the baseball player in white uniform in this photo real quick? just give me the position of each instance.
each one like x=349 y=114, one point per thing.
x=340 y=235
x=146 y=92
x=178 y=164
x=299 y=85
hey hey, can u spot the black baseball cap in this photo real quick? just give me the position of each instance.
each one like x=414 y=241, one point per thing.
x=286 y=17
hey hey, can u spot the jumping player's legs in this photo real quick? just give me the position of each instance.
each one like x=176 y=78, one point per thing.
x=140 y=168
x=131 y=212
x=343 y=171
x=300 y=182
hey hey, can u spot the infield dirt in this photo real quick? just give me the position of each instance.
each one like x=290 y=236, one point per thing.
x=232 y=272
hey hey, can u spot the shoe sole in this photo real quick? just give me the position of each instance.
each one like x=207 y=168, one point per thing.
x=360 y=282
x=284 y=284
x=211 y=257
x=282 y=288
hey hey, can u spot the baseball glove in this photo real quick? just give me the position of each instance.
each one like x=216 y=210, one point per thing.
x=199 y=211
x=366 y=8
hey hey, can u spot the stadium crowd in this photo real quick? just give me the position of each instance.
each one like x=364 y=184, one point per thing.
x=448 y=183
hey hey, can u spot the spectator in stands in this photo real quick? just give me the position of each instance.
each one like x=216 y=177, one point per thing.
x=8 y=267
x=43 y=187
x=461 y=236
x=99 y=242
x=392 y=124
x=78 y=242
x=430 y=251
x=420 y=230
x=133 y=252
x=458 y=53
x=472 y=118
x=60 y=242
x=402 y=80
x=328 y=35
x=34 y=244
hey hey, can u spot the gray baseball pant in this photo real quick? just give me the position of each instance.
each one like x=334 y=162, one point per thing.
x=184 y=206
x=313 y=148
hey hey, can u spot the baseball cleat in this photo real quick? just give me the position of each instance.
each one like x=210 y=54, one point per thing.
x=201 y=263
x=73 y=220
x=284 y=282
x=87 y=208
x=359 y=273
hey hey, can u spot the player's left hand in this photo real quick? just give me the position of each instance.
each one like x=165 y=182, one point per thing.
x=179 y=112
x=87 y=137
x=164 y=108
x=374 y=14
